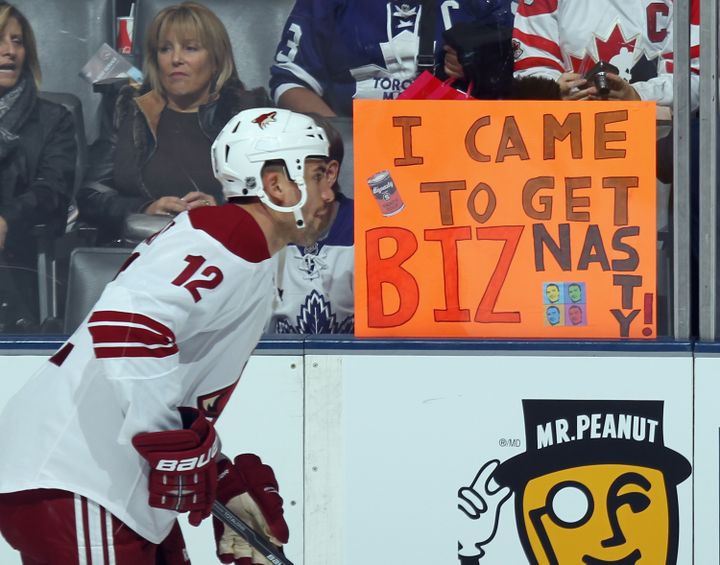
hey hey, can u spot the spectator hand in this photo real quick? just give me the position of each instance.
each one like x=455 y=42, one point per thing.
x=573 y=86
x=198 y=199
x=452 y=67
x=167 y=206
x=249 y=489
x=3 y=232
x=620 y=89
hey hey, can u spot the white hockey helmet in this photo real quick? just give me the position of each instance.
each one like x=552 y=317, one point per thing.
x=253 y=137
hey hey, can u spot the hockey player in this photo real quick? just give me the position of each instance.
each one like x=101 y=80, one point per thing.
x=564 y=39
x=315 y=290
x=114 y=434
x=334 y=51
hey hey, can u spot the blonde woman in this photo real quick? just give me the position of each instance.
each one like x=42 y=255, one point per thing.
x=159 y=160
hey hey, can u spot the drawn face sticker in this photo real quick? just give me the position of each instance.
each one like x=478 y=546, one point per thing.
x=576 y=315
x=553 y=315
x=552 y=291
x=598 y=515
x=574 y=292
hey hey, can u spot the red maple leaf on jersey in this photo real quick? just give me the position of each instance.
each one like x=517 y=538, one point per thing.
x=606 y=50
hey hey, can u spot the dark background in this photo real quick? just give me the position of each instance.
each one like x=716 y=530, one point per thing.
x=122 y=7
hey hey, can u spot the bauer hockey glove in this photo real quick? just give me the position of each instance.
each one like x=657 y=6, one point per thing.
x=248 y=488
x=183 y=471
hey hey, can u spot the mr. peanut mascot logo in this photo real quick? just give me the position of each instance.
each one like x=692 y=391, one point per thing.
x=596 y=485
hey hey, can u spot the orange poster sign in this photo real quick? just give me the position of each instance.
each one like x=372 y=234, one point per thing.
x=505 y=219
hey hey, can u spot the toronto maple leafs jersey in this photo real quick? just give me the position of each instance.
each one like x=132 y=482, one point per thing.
x=365 y=49
x=175 y=328
x=556 y=36
x=315 y=285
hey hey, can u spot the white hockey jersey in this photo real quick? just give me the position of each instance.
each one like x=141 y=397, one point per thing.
x=316 y=284
x=175 y=328
x=556 y=36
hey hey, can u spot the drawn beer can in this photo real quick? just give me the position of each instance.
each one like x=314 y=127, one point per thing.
x=386 y=193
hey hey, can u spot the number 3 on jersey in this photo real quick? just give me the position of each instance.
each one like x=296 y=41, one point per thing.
x=210 y=277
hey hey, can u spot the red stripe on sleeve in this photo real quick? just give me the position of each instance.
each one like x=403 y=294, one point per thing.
x=125 y=334
x=131 y=318
x=118 y=352
x=535 y=62
x=538 y=42
x=537 y=7
x=110 y=330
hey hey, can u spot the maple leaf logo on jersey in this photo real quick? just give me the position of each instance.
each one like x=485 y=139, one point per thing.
x=316 y=317
x=264 y=119
x=616 y=49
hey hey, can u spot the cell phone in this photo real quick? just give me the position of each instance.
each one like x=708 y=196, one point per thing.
x=598 y=75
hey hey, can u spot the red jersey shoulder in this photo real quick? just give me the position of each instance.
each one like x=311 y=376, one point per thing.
x=537 y=7
x=234 y=228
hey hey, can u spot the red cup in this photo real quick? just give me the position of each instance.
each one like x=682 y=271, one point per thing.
x=124 y=41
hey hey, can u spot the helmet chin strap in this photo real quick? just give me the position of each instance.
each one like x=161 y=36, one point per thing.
x=296 y=209
x=299 y=220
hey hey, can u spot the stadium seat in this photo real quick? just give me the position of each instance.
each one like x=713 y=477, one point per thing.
x=138 y=227
x=254 y=27
x=68 y=34
x=91 y=268
x=344 y=125
x=73 y=104
x=46 y=235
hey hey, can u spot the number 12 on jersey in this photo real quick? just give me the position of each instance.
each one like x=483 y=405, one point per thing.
x=210 y=277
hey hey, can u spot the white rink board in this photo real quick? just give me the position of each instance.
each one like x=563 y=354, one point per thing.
x=389 y=439
x=414 y=429
x=707 y=457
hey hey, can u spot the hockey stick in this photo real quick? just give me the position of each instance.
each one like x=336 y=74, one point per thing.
x=271 y=552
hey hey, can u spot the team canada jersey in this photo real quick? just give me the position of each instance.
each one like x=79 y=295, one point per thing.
x=365 y=49
x=175 y=328
x=315 y=285
x=555 y=36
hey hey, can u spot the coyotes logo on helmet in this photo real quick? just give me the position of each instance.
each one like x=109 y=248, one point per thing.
x=264 y=119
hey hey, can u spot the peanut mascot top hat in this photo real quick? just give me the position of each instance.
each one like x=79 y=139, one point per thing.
x=561 y=434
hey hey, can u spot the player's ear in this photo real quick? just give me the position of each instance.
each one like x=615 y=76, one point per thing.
x=332 y=172
x=273 y=184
